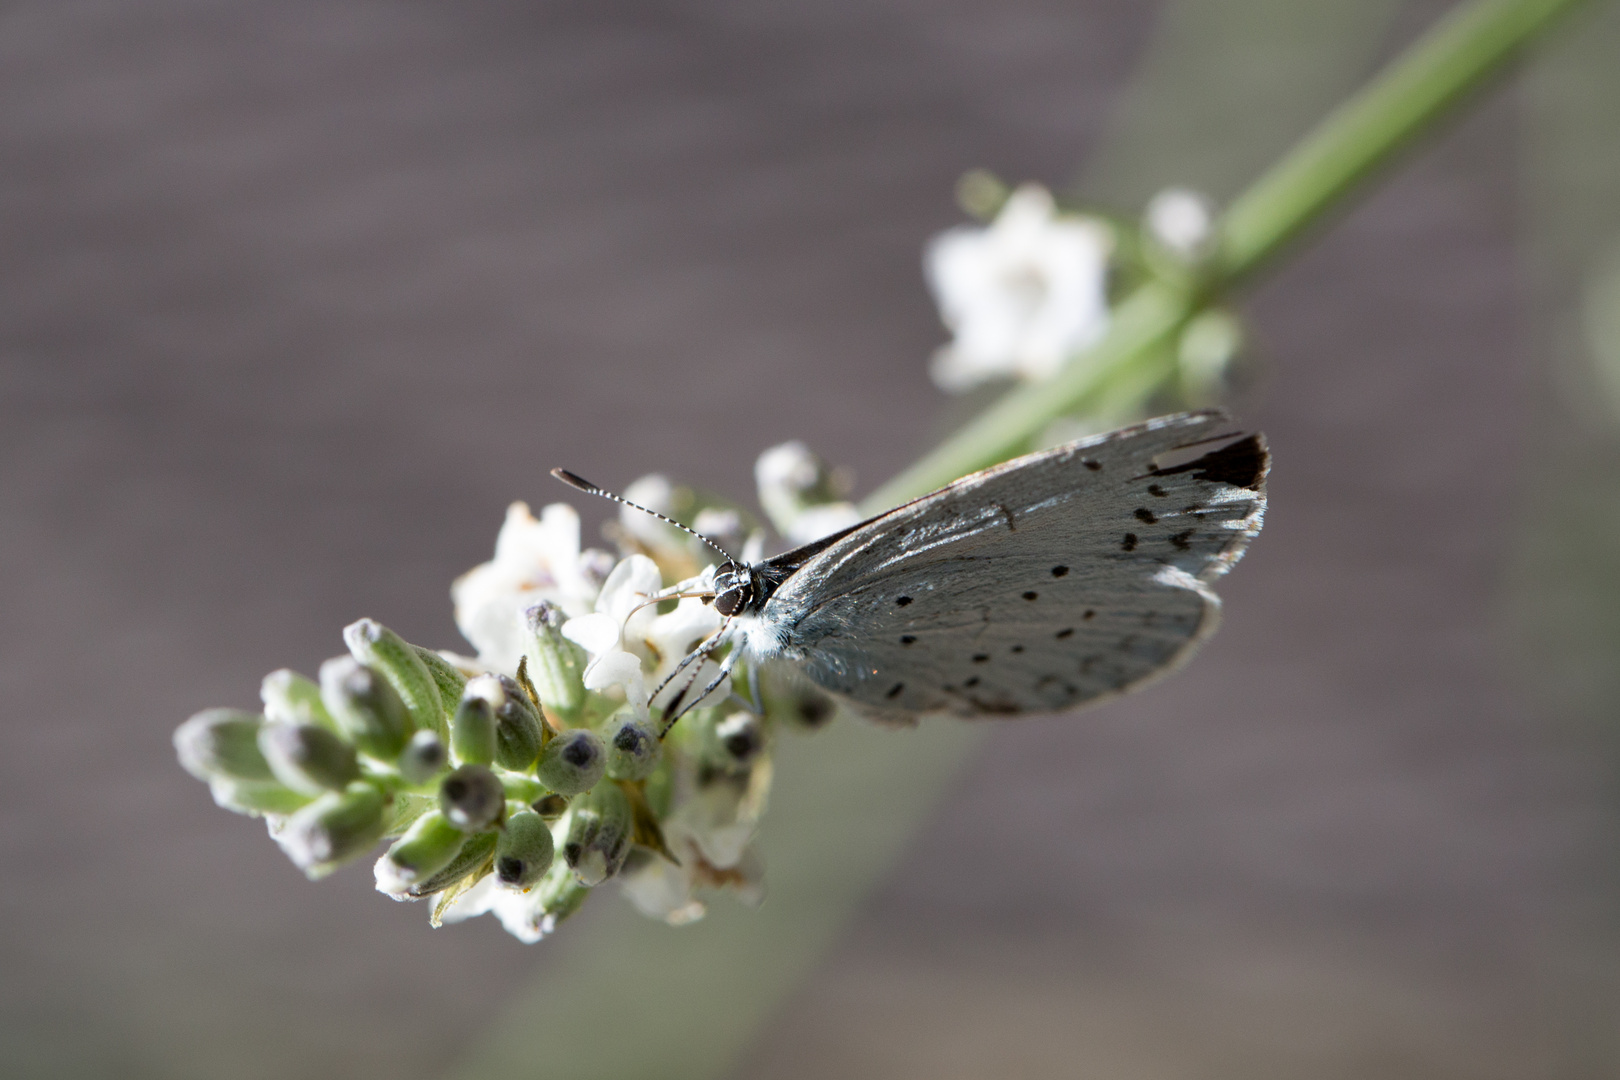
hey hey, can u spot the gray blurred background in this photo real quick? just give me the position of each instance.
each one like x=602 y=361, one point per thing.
x=296 y=297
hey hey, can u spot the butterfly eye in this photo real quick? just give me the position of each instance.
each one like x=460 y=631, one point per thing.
x=729 y=602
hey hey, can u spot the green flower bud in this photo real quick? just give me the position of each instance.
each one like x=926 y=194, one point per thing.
x=472 y=729
x=517 y=729
x=384 y=651
x=556 y=665
x=524 y=850
x=572 y=762
x=633 y=749
x=334 y=828
x=597 y=833
x=222 y=743
x=255 y=797
x=427 y=847
x=307 y=758
x=366 y=708
x=560 y=894
x=289 y=698
x=473 y=858
x=446 y=677
x=472 y=798
x=423 y=756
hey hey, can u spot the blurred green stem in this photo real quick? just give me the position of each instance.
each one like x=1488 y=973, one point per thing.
x=1455 y=56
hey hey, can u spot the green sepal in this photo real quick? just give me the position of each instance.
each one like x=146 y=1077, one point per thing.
x=428 y=846
x=367 y=709
x=446 y=676
x=556 y=666
x=378 y=647
x=222 y=744
x=292 y=698
x=334 y=828
x=308 y=758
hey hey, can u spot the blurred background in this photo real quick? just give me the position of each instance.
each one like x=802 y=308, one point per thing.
x=298 y=296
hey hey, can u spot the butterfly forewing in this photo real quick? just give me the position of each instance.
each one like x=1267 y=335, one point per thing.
x=1054 y=580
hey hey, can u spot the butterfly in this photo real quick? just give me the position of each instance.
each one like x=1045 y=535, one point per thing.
x=1052 y=581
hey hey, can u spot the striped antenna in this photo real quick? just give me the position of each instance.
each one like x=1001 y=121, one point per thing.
x=575 y=481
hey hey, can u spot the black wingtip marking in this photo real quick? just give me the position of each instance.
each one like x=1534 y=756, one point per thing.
x=1242 y=464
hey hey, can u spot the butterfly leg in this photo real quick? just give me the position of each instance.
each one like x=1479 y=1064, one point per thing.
x=673 y=711
x=701 y=650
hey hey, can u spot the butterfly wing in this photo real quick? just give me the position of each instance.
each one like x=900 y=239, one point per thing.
x=1054 y=580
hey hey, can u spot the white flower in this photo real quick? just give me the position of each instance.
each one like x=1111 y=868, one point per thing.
x=618 y=635
x=1182 y=221
x=799 y=494
x=1022 y=295
x=534 y=560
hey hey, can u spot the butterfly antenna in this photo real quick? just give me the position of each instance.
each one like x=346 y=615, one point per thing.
x=575 y=481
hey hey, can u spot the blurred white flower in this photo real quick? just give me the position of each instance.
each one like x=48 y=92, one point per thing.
x=1183 y=222
x=1022 y=295
x=800 y=495
x=534 y=560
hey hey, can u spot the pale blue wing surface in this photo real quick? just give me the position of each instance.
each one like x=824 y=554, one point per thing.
x=1051 y=581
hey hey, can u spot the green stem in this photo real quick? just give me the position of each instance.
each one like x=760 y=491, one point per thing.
x=1461 y=51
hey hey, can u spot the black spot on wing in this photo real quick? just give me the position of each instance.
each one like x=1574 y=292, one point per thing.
x=1059 y=571
x=894 y=691
x=1155 y=489
x=979 y=657
x=1146 y=516
x=1090 y=464
x=907 y=639
x=1129 y=543
x=902 y=600
x=1032 y=596
x=1241 y=464
x=1179 y=540
x=1067 y=631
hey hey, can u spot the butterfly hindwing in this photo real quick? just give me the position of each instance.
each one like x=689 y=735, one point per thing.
x=1053 y=580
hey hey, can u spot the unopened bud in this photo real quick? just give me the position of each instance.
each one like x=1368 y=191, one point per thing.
x=517 y=729
x=427 y=847
x=739 y=738
x=472 y=729
x=423 y=756
x=472 y=858
x=572 y=762
x=446 y=677
x=308 y=758
x=472 y=798
x=290 y=698
x=334 y=828
x=633 y=749
x=597 y=833
x=524 y=850
x=384 y=651
x=218 y=743
x=366 y=708
x=556 y=665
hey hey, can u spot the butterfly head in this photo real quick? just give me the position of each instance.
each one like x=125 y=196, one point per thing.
x=733 y=589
